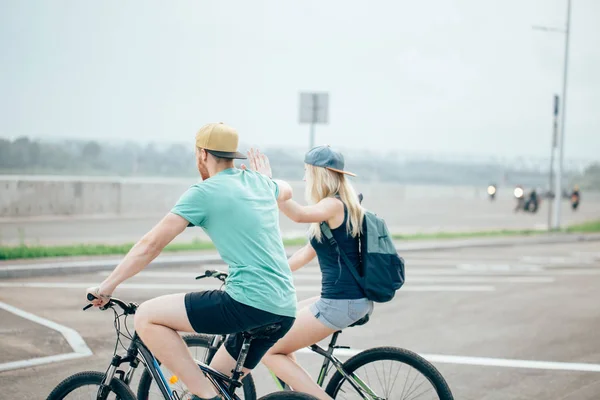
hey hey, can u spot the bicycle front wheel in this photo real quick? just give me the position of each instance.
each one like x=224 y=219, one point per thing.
x=389 y=373
x=199 y=345
x=85 y=385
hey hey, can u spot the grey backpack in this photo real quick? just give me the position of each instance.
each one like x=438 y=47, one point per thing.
x=382 y=269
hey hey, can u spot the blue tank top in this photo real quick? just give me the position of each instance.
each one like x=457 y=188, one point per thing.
x=337 y=281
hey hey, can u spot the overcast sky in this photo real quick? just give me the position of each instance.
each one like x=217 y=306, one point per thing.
x=439 y=76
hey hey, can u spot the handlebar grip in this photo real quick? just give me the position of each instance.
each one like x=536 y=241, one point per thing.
x=91 y=297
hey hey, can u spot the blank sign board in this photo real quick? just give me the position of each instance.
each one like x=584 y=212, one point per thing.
x=314 y=108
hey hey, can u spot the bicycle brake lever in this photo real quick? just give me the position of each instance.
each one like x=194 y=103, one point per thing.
x=221 y=277
x=88 y=306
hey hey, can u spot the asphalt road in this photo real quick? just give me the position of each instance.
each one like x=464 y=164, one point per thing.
x=410 y=215
x=498 y=323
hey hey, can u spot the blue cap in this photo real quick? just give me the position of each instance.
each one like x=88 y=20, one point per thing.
x=326 y=157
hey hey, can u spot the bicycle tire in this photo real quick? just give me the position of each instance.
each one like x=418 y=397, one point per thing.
x=288 y=396
x=80 y=379
x=393 y=354
x=197 y=340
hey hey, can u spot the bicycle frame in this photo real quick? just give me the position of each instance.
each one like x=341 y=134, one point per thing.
x=138 y=351
x=358 y=384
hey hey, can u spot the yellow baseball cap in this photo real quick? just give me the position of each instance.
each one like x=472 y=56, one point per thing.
x=219 y=140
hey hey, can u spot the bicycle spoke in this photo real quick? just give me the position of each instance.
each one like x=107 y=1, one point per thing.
x=386 y=376
x=404 y=387
x=388 y=380
x=415 y=389
x=396 y=377
x=411 y=384
x=377 y=375
x=419 y=395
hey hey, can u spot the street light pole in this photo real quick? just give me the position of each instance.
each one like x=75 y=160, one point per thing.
x=552 y=151
x=561 y=139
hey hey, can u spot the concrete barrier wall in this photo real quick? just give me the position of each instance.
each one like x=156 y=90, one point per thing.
x=36 y=196
x=30 y=196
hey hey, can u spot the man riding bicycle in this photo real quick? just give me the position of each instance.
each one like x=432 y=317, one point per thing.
x=238 y=209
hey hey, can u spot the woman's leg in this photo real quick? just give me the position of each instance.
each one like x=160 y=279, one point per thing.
x=306 y=330
x=306 y=303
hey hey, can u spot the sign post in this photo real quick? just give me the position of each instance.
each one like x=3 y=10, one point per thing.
x=552 y=151
x=314 y=109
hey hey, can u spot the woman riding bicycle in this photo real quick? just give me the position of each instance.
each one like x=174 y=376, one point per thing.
x=332 y=200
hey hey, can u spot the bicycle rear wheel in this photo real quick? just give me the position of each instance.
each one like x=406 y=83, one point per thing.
x=199 y=345
x=389 y=373
x=288 y=396
x=85 y=385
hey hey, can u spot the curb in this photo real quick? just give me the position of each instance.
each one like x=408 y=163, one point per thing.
x=451 y=244
x=70 y=267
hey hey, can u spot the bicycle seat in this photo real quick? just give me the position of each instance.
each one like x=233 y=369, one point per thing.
x=262 y=332
x=361 y=321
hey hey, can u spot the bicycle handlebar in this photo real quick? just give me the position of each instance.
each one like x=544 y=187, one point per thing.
x=127 y=308
x=213 y=273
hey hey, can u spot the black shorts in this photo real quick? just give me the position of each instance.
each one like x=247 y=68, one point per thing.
x=215 y=312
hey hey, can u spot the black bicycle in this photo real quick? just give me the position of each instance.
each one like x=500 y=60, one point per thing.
x=379 y=373
x=114 y=383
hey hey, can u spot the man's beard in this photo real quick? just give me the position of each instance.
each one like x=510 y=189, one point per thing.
x=203 y=170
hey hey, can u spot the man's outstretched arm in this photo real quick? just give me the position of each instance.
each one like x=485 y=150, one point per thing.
x=141 y=254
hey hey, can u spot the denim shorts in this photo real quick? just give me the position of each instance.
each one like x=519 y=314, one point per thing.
x=340 y=314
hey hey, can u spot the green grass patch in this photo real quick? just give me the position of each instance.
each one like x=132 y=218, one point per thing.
x=586 y=227
x=27 y=251
x=467 y=235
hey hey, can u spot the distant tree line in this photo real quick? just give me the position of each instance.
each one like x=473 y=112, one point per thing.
x=78 y=157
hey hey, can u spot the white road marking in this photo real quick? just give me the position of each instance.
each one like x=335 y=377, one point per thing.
x=177 y=286
x=594 y=255
x=412 y=277
x=487 y=362
x=499 y=267
x=546 y=272
x=72 y=337
x=477 y=279
x=32 y=362
x=171 y=259
x=557 y=260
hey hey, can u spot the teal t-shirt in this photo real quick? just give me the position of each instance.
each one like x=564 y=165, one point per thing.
x=238 y=211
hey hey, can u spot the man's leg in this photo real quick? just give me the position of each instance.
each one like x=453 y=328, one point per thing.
x=157 y=322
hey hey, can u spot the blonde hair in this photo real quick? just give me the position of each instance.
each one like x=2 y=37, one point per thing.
x=322 y=183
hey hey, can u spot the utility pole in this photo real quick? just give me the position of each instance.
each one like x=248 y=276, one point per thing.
x=561 y=137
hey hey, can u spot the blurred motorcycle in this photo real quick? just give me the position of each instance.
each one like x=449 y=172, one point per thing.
x=520 y=196
x=575 y=198
x=533 y=202
x=491 y=190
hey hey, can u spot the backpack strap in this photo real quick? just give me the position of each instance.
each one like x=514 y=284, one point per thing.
x=326 y=231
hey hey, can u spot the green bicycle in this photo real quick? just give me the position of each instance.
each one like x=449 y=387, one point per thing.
x=114 y=383
x=389 y=373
